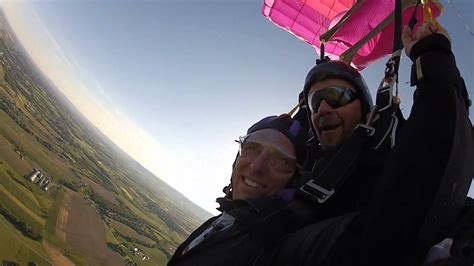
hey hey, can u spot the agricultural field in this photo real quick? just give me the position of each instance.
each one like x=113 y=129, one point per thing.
x=85 y=233
x=16 y=247
x=20 y=210
x=126 y=230
x=68 y=195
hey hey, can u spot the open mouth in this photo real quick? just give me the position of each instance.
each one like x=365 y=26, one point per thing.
x=251 y=183
x=328 y=127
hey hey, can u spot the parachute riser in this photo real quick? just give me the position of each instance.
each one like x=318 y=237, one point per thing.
x=349 y=54
x=387 y=100
x=332 y=31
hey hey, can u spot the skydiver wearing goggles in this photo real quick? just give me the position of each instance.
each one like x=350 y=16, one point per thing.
x=265 y=167
x=334 y=96
x=394 y=205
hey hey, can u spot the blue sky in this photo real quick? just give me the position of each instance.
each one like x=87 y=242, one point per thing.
x=175 y=82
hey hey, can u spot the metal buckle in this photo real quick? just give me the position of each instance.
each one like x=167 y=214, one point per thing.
x=385 y=88
x=370 y=130
x=321 y=194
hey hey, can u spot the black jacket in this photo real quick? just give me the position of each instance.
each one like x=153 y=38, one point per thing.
x=241 y=243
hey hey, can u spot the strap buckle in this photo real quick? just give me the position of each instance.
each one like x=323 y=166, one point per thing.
x=385 y=95
x=369 y=129
x=316 y=192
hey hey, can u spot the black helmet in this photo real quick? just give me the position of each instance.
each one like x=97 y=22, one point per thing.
x=340 y=70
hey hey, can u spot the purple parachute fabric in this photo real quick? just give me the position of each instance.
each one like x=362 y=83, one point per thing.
x=309 y=19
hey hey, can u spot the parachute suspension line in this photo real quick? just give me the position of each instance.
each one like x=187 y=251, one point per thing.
x=292 y=112
x=330 y=33
x=411 y=23
x=461 y=18
x=325 y=37
x=413 y=19
x=397 y=42
x=393 y=64
x=351 y=52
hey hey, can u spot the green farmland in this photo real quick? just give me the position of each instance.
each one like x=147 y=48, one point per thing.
x=93 y=203
x=15 y=247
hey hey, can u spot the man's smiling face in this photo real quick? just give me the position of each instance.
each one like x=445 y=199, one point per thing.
x=266 y=165
x=335 y=125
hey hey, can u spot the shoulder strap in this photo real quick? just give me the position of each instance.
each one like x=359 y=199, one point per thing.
x=320 y=188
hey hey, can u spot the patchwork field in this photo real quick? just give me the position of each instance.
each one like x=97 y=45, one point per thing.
x=85 y=232
x=11 y=158
x=60 y=216
x=101 y=191
x=20 y=188
x=126 y=230
x=156 y=255
x=56 y=255
x=16 y=247
x=99 y=205
x=12 y=204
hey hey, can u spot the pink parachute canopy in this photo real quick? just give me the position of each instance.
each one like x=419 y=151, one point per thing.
x=309 y=19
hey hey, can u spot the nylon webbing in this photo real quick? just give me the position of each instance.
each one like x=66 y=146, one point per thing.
x=320 y=188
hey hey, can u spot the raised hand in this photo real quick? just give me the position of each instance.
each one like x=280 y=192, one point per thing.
x=409 y=38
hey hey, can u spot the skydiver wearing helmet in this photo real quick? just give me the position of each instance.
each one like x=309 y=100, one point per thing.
x=269 y=159
x=413 y=200
x=338 y=100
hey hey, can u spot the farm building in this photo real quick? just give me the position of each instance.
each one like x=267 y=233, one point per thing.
x=33 y=175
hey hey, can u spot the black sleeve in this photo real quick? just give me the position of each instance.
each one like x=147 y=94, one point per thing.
x=432 y=159
x=437 y=65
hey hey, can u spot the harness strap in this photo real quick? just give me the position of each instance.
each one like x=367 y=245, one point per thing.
x=330 y=178
x=387 y=100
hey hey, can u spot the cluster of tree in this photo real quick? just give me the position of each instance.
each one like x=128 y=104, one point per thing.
x=9 y=263
x=66 y=156
x=74 y=185
x=62 y=128
x=20 y=225
x=166 y=247
x=100 y=173
x=137 y=241
x=105 y=208
x=162 y=244
x=137 y=225
x=17 y=115
x=12 y=110
x=10 y=174
x=120 y=249
x=129 y=262
x=45 y=143
x=177 y=225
